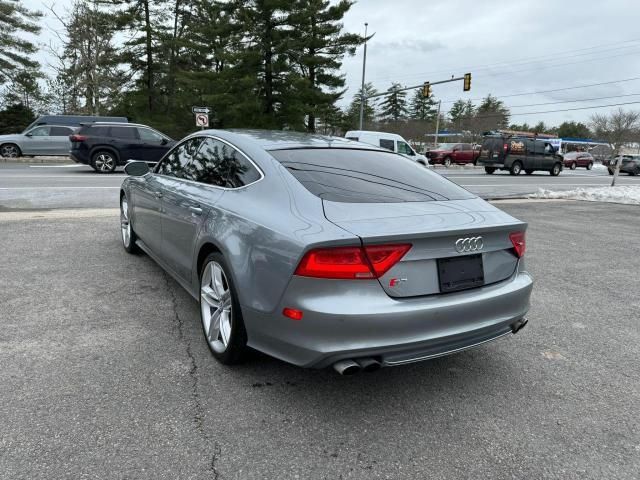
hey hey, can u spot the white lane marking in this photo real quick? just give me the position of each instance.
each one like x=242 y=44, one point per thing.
x=535 y=185
x=56 y=188
x=65 y=176
x=58 y=166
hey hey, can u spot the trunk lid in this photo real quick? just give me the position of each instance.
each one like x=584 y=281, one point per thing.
x=432 y=228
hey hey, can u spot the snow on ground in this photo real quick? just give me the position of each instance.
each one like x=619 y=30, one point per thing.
x=598 y=166
x=622 y=194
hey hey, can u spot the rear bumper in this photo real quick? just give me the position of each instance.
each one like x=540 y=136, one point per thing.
x=78 y=158
x=344 y=323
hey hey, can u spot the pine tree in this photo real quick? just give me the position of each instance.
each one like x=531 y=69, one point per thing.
x=394 y=106
x=422 y=108
x=316 y=47
x=370 y=105
x=493 y=113
x=16 y=52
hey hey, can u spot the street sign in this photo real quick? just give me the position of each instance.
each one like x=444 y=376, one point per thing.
x=196 y=110
x=202 y=120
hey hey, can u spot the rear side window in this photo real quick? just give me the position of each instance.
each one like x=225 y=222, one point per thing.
x=388 y=144
x=219 y=164
x=60 y=131
x=366 y=176
x=127 y=133
x=99 y=131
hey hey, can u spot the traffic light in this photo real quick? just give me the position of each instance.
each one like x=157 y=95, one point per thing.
x=467 y=82
x=426 y=90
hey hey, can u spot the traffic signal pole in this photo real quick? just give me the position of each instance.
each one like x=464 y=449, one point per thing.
x=456 y=79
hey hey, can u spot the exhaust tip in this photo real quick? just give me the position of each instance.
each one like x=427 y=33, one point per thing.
x=369 y=364
x=346 y=367
x=519 y=325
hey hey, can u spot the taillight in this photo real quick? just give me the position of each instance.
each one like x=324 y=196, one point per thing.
x=77 y=138
x=519 y=242
x=505 y=147
x=367 y=262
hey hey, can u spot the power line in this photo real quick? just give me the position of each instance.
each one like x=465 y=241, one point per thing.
x=574 y=101
x=550 y=111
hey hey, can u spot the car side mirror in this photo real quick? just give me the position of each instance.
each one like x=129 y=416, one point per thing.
x=29 y=134
x=164 y=141
x=136 y=168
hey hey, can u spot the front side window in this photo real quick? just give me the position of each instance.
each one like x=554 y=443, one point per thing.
x=366 y=176
x=40 y=132
x=219 y=164
x=404 y=148
x=177 y=163
x=388 y=144
x=147 y=135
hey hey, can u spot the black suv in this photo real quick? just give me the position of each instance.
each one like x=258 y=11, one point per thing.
x=513 y=153
x=104 y=146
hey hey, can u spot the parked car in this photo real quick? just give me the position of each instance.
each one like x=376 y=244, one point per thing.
x=630 y=164
x=390 y=141
x=514 y=154
x=73 y=120
x=104 y=146
x=324 y=252
x=449 y=153
x=574 y=160
x=40 y=140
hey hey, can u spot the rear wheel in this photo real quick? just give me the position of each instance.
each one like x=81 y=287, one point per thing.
x=220 y=313
x=516 y=168
x=103 y=162
x=573 y=166
x=589 y=165
x=555 y=170
x=528 y=171
x=447 y=162
x=9 y=150
x=489 y=170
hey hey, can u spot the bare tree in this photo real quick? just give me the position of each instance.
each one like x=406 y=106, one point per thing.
x=618 y=128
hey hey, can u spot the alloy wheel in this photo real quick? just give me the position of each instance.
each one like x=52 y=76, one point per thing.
x=104 y=162
x=216 y=307
x=125 y=225
x=9 y=151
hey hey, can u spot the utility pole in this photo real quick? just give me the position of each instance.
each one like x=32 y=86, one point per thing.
x=435 y=137
x=364 y=65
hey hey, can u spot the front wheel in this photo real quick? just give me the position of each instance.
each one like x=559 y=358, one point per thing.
x=516 y=168
x=128 y=235
x=9 y=150
x=573 y=166
x=555 y=170
x=489 y=170
x=447 y=162
x=220 y=313
x=589 y=165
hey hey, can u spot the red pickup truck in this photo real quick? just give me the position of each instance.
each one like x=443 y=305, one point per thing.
x=450 y=153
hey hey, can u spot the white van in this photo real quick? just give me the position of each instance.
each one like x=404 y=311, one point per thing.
x=390 y=141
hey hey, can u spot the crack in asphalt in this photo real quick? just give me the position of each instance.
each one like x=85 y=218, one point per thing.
x=198 y=416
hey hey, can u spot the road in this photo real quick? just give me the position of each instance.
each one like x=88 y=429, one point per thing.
x=69 y=186
x=105 y=373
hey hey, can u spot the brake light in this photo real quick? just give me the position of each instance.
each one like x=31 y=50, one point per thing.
x=354 y=263
x=77 y=138
x=505 y=147
x=519 y=242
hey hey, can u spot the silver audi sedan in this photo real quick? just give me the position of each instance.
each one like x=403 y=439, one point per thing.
x=324 y=252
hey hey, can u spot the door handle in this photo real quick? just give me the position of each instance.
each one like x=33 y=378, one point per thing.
x=157 y=194
x=195 y=210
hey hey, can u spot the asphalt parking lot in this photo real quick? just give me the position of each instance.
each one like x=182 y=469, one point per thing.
x=41 y=185
x=105 y=373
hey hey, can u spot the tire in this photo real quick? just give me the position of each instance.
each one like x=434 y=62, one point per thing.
x=128 y=235
x=528 y=171
x=104 y=161
x=10 y=150
x=610 y=171
x=516 y=168
x=555 y=170
x=573 y=166
x=447 y=162
x=489 y=170
x=589 y=165
x=219 y=301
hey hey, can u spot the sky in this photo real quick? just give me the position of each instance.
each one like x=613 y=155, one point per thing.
x=510 y=47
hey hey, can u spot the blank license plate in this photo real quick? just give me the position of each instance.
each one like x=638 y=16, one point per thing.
x=460 y=273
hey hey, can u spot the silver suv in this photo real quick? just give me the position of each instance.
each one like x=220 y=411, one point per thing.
x=39 y=140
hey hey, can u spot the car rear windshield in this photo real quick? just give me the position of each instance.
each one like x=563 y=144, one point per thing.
x=366 y=176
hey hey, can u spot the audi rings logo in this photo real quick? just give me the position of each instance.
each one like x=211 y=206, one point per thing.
x=471 y=244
